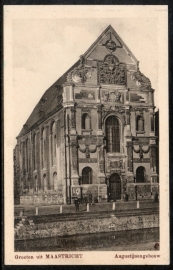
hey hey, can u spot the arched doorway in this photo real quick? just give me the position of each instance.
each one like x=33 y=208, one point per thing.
x=36 y=184
x=140 y=174
x=55 y=183
x=115 y=187
x=87 y=175
x=44 y=182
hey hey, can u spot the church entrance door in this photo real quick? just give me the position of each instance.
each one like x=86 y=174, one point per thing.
x=115 y=187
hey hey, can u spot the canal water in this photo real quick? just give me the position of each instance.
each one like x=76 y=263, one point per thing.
x=141 y=239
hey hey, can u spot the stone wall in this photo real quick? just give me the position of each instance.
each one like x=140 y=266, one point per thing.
x=85 y=225
x=102 y=241
x=43 y=199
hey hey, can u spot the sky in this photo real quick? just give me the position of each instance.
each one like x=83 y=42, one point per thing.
x=44 y=47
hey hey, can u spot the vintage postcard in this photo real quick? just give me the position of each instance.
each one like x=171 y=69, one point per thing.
x=86 y=135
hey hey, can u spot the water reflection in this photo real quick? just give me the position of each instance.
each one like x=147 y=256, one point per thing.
x=122 y=240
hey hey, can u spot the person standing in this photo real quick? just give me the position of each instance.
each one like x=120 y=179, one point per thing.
x=90 y=199
x=76 y=201
x=156 y=197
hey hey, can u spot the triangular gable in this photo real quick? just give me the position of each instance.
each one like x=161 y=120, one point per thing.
x=99 y=46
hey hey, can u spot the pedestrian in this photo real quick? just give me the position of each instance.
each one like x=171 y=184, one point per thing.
x=76 y=201
x=90 y=198
x=21 y=212
x=156 y=197
x=126 y=197
x=85 y=200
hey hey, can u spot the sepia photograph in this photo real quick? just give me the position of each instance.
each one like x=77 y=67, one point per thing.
x=85 y=127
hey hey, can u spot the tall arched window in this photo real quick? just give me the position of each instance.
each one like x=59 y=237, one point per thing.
x=140 y=174
x=53 y=144
x=23 y=154
x=140 y=123
x=34 y=152
x=87 y=175
x=27 y=154
x=54 y=148
x=43 y=148
x=86 y=121
x=112 y=134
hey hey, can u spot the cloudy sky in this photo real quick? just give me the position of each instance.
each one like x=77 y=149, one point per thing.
x=46 y=42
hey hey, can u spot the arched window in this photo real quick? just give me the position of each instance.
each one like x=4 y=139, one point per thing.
x=34 y=152
x=112 y=134
x=27 y=155
x=53 y=144
x=87 y=175
x=140 y=123
x=86 y=121
x=54 y=148
x=23 y=154
x=140 y=174
x=43 y=148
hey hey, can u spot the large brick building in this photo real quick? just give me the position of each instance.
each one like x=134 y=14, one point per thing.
x=93 y=131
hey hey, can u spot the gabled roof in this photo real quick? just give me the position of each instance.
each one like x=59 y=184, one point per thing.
x=48 y=102
x=104 y=34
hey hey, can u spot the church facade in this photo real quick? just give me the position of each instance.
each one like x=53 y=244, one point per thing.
x=92 y=132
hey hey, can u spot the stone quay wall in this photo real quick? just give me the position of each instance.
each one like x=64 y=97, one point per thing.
x=59 y=226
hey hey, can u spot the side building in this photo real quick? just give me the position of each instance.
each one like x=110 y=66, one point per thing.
x=93 y=131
